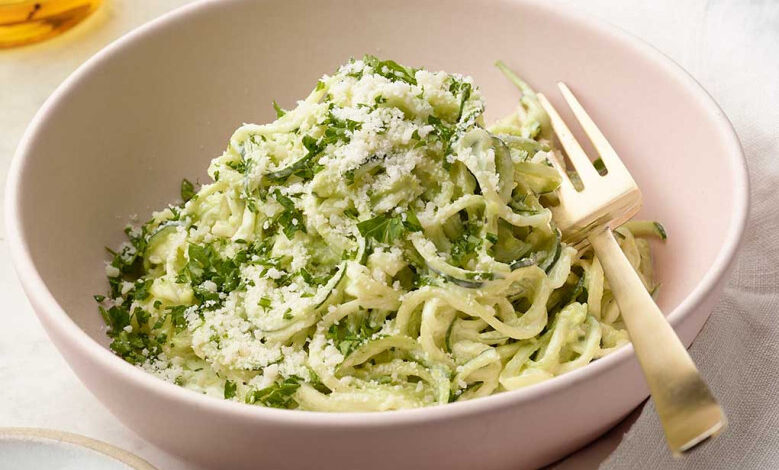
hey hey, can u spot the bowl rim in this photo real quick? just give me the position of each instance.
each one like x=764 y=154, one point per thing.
x=47 y=308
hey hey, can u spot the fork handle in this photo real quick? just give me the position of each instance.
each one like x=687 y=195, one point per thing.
x=688 y=411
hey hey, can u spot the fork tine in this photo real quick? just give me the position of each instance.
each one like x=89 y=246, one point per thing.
x=607 y=154
x=566 y=186
x=575 y=153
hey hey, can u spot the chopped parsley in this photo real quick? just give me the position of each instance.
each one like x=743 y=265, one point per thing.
x=347 y=336
x=306 y=167
x=240 y=166
x=187 y=190
x=391 y=70
x=600 y=167
x=291 y=218
x=278 y=395
x=279 y=112
x=386 y=229
x=230 y=389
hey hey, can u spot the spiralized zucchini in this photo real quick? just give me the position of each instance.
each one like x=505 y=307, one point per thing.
x=376 y=247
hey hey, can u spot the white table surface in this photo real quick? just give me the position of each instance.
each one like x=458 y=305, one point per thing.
x=37 y=389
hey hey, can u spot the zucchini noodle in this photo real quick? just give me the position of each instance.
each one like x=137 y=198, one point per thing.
x=376 y=247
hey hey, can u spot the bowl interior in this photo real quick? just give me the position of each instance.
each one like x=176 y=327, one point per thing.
x=119 y=137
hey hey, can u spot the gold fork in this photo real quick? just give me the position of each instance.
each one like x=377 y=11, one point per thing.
x=688 y=411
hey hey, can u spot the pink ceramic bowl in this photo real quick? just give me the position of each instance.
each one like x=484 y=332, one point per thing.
x=116 y=138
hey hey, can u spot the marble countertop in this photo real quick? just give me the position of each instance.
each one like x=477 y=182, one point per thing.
x=38 y=389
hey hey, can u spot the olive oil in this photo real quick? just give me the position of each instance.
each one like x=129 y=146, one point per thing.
x=27 y=21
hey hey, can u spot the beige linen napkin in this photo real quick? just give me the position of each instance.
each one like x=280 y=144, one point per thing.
x=735 y=55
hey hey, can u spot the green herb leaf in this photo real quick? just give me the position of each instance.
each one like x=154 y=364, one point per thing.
x=177 y=317
x=141 y=289
x=141 y=316
x=240 y=166
x=279 y=112
x=278 y=395
x=467 y=245
x=205 y=264
x=306 y=167
x=116 y=318
x=349 y=175
x=391 y=69
x=129 y=260
x=310 y=144
x=348 y=336
x=312 y=280
x=600 y=167
x=230 y=389
x=464 y=90
x=187 y=190
x=291 y=219
x=382 y=228
x=412 y=222
x=137 y=347
x=338 y=130
x=444 y=133
x=316 y=382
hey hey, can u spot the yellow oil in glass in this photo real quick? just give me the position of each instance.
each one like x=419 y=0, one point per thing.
x=26 y=21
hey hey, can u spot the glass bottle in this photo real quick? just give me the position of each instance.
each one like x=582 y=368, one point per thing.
x=27 y=21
